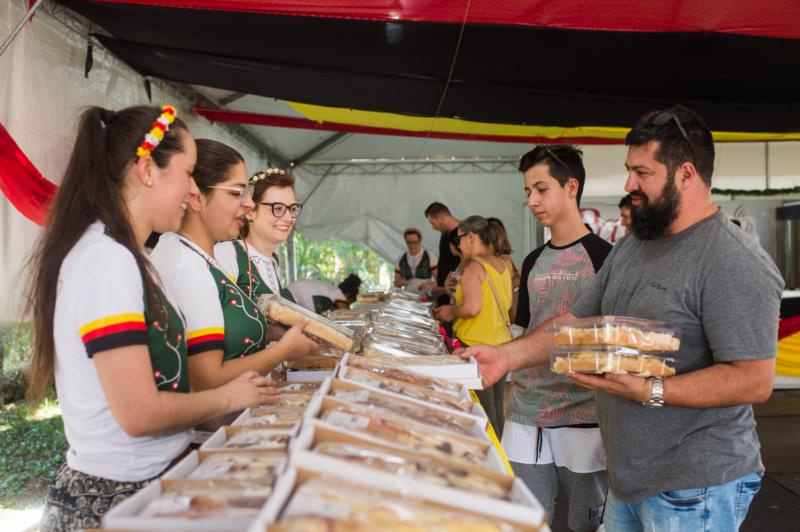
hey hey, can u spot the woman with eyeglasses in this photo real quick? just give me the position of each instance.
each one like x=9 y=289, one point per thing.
x=226 y=333
x=483 y=300
x=107 y=333
x=250 y=259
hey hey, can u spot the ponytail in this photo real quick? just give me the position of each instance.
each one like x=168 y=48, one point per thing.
x=91 y=190
x=499 y=237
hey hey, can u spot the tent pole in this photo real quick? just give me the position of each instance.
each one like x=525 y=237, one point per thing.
x=290 y=249
x=21 y=25
x=766 y=164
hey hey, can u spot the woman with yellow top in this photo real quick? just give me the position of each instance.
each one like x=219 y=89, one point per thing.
x=482 y=302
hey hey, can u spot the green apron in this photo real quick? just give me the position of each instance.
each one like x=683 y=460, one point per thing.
x=166 y=341
x=245 y=326
x=259 y=286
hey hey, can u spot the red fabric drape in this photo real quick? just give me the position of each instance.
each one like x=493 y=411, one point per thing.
x=775 y=18
x=788 y=327
x=21 y=182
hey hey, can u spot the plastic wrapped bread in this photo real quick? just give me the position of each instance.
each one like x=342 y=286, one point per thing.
x=298 y=387
x=283 y=311
x=644 y=335
x=332 y=506
x=425 y=468
x=259 y=438
x=405 y=432
x=408 y=389
x=257 y=467
x=605 y=359
x=272 y=415
x=397 y=372
x=325 y=361
x=199 y=499
x=437 y=418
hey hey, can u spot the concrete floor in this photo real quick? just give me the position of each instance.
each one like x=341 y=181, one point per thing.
x=776 y=508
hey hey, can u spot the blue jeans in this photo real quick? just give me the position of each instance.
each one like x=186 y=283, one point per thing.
x=719 y=508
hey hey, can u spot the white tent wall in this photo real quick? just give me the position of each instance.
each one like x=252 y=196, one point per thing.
x=42 y=93
x=374 y=209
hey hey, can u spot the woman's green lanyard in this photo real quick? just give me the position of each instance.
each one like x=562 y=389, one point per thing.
x=245 y=326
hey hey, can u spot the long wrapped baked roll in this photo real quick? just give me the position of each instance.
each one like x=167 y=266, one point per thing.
x=288 y=313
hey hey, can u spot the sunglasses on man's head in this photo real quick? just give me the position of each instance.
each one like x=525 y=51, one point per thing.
x=663 y=118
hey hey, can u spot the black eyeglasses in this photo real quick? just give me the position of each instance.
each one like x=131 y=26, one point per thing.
x=664 y=117
x=279 y=209
x=412 y=241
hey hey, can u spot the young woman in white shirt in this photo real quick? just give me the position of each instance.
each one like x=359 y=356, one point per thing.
x=106 y=330
x=250 y=259
x=227 y=334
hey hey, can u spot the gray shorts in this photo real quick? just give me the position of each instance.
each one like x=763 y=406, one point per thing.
x=586 y=492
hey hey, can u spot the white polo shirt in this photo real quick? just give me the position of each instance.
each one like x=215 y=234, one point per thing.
x=183 y=267
x=305 y=290
x=100 y=306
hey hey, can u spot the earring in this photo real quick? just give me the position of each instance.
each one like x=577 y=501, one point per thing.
x=149 y=183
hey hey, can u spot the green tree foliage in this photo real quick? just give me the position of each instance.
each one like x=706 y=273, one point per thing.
x=331 y=261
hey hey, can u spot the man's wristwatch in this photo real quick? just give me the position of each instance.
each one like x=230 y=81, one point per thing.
x=656 y=392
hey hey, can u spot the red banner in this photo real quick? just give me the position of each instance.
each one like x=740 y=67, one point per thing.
x=775 y=18
x=22 y=183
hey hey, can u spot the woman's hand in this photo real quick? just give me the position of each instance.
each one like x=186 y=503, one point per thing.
x=248 y=389
x=430 y=285
x=445 y=313
x=296 y=344
x=451 y=283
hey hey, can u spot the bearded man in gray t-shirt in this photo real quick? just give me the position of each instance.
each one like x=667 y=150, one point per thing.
x=682 y=453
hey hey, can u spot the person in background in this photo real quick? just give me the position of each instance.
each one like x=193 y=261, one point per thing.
x=451 y=282
x=438 y=215
x=682 y=452
x=227 y=334
x=414 y=269
x=319 y=296
x=552 y=438
x=252 y=259
x=503 y=250
x=482 y=302
x=105 y=330
x=625 y=205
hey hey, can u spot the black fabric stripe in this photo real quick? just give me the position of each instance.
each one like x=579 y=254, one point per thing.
x=597 y=249
x=572 y=77
x=202 y=347
x=115 y=340
x=523 y=317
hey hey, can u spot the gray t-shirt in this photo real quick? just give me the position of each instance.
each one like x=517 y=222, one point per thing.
x=722 y=292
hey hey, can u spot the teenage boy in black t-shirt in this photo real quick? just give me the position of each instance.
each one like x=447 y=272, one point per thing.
x=551 y=434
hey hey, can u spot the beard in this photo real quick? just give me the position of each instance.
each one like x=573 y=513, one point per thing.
x=650 y=221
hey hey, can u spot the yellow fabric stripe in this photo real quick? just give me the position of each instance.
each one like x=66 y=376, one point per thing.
x=111 y=320
x=788 y=361
x=494 y=440
x=204 y=332
x=320 y=113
